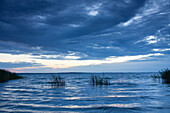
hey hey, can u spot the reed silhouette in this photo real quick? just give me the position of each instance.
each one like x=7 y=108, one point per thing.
x=99 y=80
x=57 y=81
x=165 y=75
x=156 y=76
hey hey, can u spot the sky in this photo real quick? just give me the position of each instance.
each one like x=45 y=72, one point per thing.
x=46 y=36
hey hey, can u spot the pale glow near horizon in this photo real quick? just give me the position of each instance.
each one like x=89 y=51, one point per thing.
x=54 y=63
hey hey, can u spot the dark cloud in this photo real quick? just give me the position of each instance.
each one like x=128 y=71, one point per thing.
x=94 y=29
x=18 y=65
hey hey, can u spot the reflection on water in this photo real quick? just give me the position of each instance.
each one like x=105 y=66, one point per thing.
x=128 y=92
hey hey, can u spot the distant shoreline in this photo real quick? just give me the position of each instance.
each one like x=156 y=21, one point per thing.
x=88 y=73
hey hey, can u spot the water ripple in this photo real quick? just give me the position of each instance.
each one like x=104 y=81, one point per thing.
x=127 y=93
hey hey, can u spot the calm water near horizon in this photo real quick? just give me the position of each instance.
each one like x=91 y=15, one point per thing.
x=128 y=93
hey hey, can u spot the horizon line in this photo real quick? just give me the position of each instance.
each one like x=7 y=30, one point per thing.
x=85 y=72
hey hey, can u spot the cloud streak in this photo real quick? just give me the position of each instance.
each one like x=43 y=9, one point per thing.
x=68 y=63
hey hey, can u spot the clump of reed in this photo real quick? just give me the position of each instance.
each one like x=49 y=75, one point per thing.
x=57 y=81
x=156 y=76
x=99 y=80
x=7 y=75
x=165 y=75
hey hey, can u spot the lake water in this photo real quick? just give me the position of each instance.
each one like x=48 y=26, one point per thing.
x=128 y=93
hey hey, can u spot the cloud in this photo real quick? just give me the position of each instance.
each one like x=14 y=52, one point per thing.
x=71 y=63
x=91 y=30
x=18 y=64
x=160 y=50
x=53 y=18
x=149 y=40
x=151 y=8
x=18 y=48
x=59 y=26
x=94 y=10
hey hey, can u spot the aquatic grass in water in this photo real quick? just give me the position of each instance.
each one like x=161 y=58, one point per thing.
x=156 y=76
x=6 y=75
x=98 y=80
x=57 y=81
x=165 y=75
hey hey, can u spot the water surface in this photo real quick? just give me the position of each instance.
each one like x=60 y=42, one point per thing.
x=128 y=93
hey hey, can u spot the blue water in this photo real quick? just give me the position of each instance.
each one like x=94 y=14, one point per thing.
x=128 y=93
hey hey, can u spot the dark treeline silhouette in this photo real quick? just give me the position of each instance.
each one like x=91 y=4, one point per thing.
x=7 y=75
